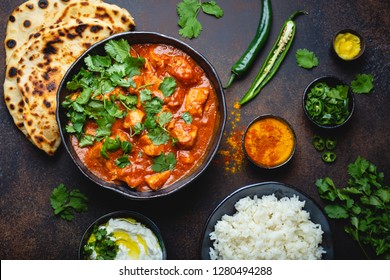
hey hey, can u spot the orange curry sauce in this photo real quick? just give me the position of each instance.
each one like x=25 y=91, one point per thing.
x=194 y=94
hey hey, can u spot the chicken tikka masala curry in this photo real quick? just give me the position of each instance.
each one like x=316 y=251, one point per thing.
x=144 y=115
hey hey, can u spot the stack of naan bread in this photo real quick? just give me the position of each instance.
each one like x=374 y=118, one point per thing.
x=43 y=39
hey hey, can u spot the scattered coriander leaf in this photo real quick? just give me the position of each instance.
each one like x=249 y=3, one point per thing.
x=363 y=84
x=306 y=59
x=191 y=29
x=84 y=96
x=212 y=8
x=188 y=11
x=64 y=203
x=77 y=201
x=58 y=198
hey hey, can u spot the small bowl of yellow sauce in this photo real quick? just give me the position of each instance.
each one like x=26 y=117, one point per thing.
x=269 y=141
x=348 y=44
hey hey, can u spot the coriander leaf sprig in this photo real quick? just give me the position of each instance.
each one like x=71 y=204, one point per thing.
x=104 y=245
x=365 y=202
x=164 y=162
x=362 y=84
x=65 y=203
x=101 y=75
x=306 y=59
x=188 y=11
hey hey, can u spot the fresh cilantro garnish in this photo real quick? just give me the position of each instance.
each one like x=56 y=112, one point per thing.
x=188 y=11
x=306 y=59
x=187 y=117
x=122 y=161
x=155 y=119
x=168 y=86
x=164 y=162
x=363 y=83
x=128 y=101
x=112 y=145
x=86 y=140
x=65 y=203
x=97 y=63
x=126 y=147
x=153 y=106
x=104 y=245
x=102 y=75
x=164 y=118
x=118 y=49
x=365 y=202
x=145 y=95
x=158 y=135
x=137 y=129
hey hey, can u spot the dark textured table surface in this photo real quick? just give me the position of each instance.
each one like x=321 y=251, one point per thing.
x=28 y=229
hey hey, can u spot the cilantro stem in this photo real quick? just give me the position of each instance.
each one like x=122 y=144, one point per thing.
x=145 y=86
x=361 y=247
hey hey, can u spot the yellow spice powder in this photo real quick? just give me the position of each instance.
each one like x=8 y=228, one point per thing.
x=234 y=155
x=269 y=142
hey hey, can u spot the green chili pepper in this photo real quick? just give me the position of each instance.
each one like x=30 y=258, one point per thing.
x=318 y=143
x=274 y=58
x=262 y=33
x=328 y=157
x=330 y=144
x=317 y=107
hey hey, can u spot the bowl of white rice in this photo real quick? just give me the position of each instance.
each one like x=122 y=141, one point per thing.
x=267 y=221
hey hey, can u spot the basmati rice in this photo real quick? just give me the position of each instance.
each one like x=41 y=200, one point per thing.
x=267 y=228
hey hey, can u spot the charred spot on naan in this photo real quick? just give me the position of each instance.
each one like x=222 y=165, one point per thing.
x=43 y=4
x=12 y=72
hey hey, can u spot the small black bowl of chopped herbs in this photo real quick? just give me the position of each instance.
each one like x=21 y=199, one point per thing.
x=328 y=102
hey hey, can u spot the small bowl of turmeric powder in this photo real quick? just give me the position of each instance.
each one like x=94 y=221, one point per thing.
x=348 y=44
x=269 y=141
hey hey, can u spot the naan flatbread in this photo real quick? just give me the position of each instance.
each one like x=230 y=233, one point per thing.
x=30 y=32
x=30 y=17
x=119 y=18
x=40 y=72
x=12 y=96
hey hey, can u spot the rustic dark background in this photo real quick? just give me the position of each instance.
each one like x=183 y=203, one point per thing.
x=28 y=229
